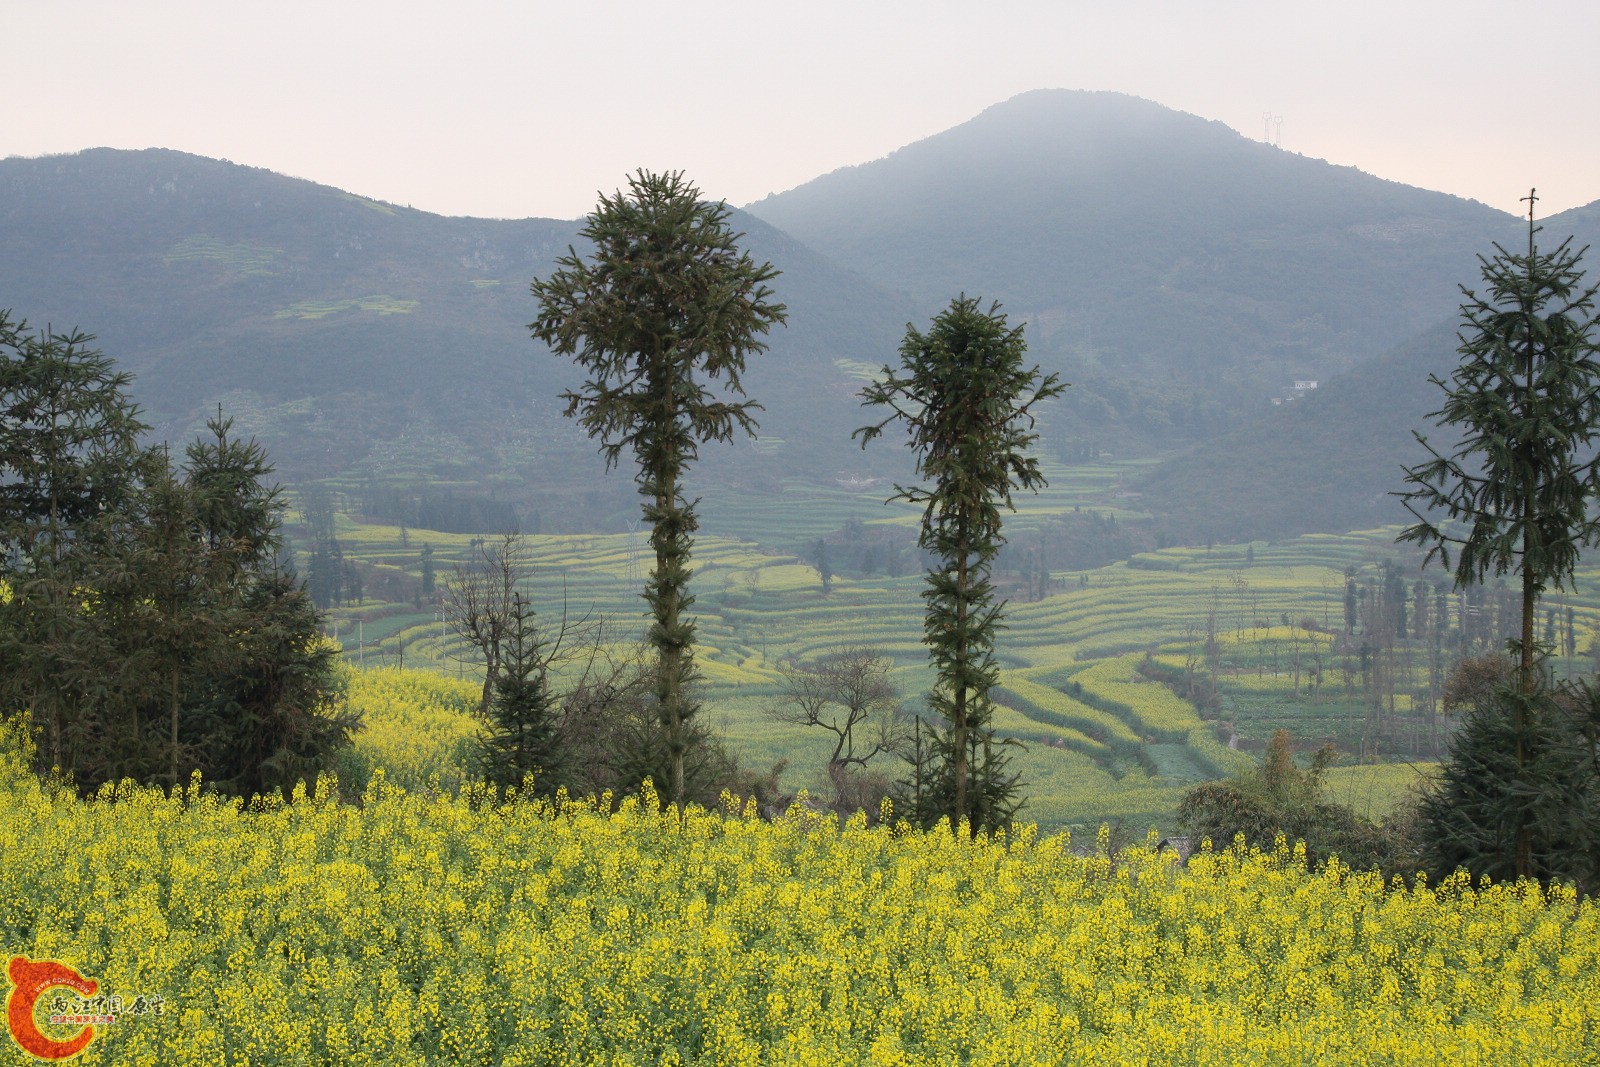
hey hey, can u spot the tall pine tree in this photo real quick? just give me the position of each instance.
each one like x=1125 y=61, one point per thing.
x=966 y=401
x=1514 y=496
x=666 y=307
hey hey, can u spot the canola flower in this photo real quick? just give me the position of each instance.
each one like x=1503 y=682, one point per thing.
x=411 y=929
x=420 y=728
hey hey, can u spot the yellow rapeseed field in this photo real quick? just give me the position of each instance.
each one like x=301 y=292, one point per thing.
x=409 y=929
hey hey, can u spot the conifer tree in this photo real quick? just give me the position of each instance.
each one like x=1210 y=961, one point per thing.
x=70 y=461
x=1515 y=494
x=666 y=307
x=148 y=627
x=819 y=557
x=69 y=442
x=966 y=401
x=1526 y=402
x=523 y=736
x=1517 y=796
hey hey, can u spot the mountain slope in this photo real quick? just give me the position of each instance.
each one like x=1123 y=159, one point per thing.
x=372 y=340
x=1330 y=461
x=1178 y=274
x=1176 y=271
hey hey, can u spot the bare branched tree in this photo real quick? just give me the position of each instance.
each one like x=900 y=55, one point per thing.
x=615 y=738
x=849 y=694
x=479 y=599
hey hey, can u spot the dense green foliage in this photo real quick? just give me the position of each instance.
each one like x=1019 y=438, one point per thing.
x=1522 y=481
x=966 y=400
x=1277 y=799
x=145 y=623
x=1519 y=795
x=522 y=738
x=667 y=307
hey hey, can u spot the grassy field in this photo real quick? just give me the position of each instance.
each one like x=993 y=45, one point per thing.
x=381 y=303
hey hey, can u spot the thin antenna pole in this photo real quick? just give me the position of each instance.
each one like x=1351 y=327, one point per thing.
x=1532 y=199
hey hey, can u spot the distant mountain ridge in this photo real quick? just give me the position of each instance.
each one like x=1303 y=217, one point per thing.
x=1178 y=274
x=368 y=340
x=1150 y=246
x=1181 y=276
x=1332 y=460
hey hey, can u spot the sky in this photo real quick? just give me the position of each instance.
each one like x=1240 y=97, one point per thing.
x=519 y=109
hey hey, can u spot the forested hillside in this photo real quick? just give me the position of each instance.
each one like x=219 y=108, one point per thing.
x=1180 y=276
x=1178 y=272
x=1329 y=460
x=374 y=341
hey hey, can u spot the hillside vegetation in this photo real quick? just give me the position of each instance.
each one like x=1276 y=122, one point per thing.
x=1108 y=679
x=373 y=340
x=1179 y=275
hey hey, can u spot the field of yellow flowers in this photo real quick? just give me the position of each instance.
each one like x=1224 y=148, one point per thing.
x=417 y=929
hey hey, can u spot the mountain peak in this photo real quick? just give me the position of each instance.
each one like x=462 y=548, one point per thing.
x=1134 y=241
x=1089 y=112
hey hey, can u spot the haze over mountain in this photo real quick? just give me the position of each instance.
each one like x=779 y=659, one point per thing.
x=1179 y=275
x=1331 y=460
x=371 y=340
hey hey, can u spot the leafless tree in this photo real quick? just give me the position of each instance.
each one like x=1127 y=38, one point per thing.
x=615 y=738
x=849 y=694
x=479 y=597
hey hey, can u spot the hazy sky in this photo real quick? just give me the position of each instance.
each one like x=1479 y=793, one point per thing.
x=513 y=109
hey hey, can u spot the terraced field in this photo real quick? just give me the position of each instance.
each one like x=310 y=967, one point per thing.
x=1104 y=739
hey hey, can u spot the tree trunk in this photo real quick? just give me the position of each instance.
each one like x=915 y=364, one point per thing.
x=959 y=738
x=172 y=706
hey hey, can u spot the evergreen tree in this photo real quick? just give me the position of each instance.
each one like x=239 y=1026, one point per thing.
x=218 y=656
x=148 y=627
x=523 y=735
x=327 y=575
x=264 y=716
x=965 y=399
x=271 y=713
x=819 y=557
x=1516 y=797
x=70 y=463
x=69 y=443
x=666 y=306
x=1526 y=402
